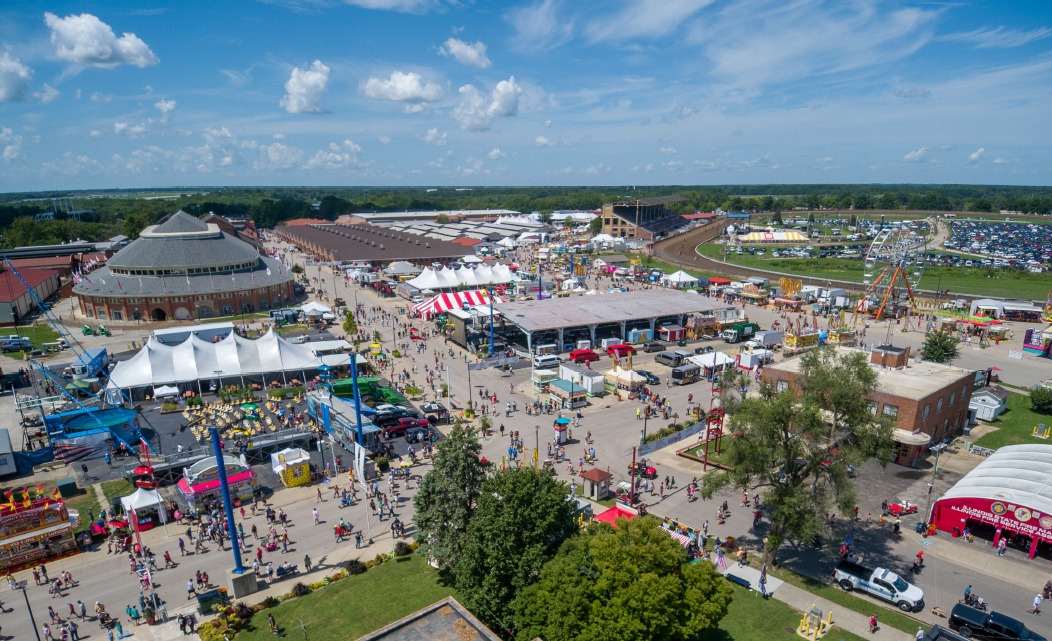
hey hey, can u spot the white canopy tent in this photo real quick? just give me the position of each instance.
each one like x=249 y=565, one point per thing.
x=144 y=499
x=279 y=461
x=681 y=279
x=187 y=363
x=314 y=308
x=506 y=242
x=471 y=258
x=712 y=360
x=448 y=278
x=401 y=268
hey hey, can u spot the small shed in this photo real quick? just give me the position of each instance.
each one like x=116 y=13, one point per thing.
x=567 y=394
x=989 y=402
x=672 y=333
x=583 y=376
x=292 y=464
x=597 y=483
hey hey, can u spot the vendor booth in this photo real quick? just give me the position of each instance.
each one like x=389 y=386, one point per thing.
x=147 y=506
x=672 y=333
x=1007 y=495
x=292 y=465
x=616 y=511
x=597 y=483
x=754 y=294
x=626 y=383
x=34 y=531
x=200 y=483
x=712 y=363
x=583 y=376
x=542 y=380
x=567 y=394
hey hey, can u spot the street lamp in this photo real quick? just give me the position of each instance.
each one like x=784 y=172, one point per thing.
x=936 y=450
x=21 y=585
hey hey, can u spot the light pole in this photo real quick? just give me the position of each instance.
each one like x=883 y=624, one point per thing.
x=937 y=450
x=21 y=585
x=536 y=447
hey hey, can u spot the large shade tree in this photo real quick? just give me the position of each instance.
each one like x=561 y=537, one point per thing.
x=634 y=582
x=448 y=495
x=523 y=516
x=940 y=347
x=796 y=446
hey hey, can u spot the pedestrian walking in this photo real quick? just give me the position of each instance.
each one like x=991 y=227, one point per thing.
x=190 y=591
x=306 y=561
x=314 y=513
x=873 y=627
x=920 y=634
x=1037 y=605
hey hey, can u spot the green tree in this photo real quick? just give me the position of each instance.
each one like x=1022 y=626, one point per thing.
x=776 y=218
x=1041 y=399
x=596 y=226
x=350 y=326
x=795 y=446
x=546 y=217
x=634 y=582
x=446 y=501
x=940 y=347
x=442 y=219
x=521 y=519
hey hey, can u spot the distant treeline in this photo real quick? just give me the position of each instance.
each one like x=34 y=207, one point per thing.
x=126 y=212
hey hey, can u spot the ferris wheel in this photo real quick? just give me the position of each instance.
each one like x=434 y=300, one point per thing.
x=892 y=270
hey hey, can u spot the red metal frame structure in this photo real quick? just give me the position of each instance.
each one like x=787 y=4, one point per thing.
x=713 y=424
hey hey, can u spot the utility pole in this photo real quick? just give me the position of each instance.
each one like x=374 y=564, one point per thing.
x=632 y=493
x=21 y=585
x=536 y=446
x=937 y=450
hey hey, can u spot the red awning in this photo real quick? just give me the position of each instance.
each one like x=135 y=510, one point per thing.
x=719 y=281
x=617 y=511
x=453 y=300
x=208 y=487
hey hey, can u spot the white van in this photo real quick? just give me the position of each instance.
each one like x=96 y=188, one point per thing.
x=546 y=361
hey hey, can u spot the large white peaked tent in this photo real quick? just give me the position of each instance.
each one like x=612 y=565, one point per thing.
x=233 y=358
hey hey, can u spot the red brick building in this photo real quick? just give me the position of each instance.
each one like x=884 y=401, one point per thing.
x=928 y=401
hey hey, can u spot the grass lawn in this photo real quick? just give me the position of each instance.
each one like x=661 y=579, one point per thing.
x=120 y=487
x=1016 y=425
x=752 y=618
x=890 y=617
x=669 y=268
x=719 y=459
x=38 y=333
x=999 y=282
x=82 y=503
x=355 y=606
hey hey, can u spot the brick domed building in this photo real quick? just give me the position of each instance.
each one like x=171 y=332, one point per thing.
x=184 y=268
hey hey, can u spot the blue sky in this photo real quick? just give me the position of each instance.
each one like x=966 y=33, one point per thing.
x=562 y=92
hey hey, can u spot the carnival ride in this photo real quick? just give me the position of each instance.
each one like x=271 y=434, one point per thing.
x=891 y=273
x=1048 y=307
x=839 y=332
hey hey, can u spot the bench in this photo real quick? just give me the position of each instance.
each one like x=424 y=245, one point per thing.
x=280 y=572
x=745 y=583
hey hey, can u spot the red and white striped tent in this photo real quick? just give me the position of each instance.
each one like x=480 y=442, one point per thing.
x=453 y=300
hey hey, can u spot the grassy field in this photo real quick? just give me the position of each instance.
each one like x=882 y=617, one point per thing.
x=963 y=280
x=119 y=487
x=82 y=503
x=324 y=613
x=377 y=598
x=39 y=333
x=719 y=459
x=1016 y=425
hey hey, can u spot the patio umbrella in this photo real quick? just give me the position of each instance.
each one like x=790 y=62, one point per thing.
x=406 y=464
x=562 y=421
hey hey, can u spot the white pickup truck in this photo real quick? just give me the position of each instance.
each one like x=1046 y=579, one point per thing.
x=881 y=583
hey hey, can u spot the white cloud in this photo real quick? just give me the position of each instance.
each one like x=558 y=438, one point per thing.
x=14 y=78
x=496 y=154
x=914 y=93
x=278 y=136
x=541 y=26
x=541 y=141
x=384 y=140
x=404 y=87
x=99 y=97
x=277 y=157
x=473 y=55
x=122 y=128
x=668 y=151
x=335 y=157
x=999 y=37
x=86 y=40
x=402 y=6
x=166 y=107
x=95 y=133
x=917 y=155
x=47 y=96
x=1005 y=161
x=548 y=122
x=433 y=137
x=977 y=155
x=10 y=144
x=644 y=19
x=476 y=111
x=305 y=88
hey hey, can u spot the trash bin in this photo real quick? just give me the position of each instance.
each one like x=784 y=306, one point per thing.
x=920 y=527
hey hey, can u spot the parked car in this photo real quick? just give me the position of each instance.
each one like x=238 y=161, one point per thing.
x=653 y=347
x=404 y=425
x=652 y=379
x=992 y=626
x=583 y=356
x=16 y=344
x=417 y=435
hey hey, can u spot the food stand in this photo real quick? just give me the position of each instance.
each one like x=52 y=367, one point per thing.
x=542 y=379
x=754 y=294
x=567 y=394
x=34 y=530
x=672 y=333
x=292 y=464
x=200 y=482
x=626 y=383
x=147 y=506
